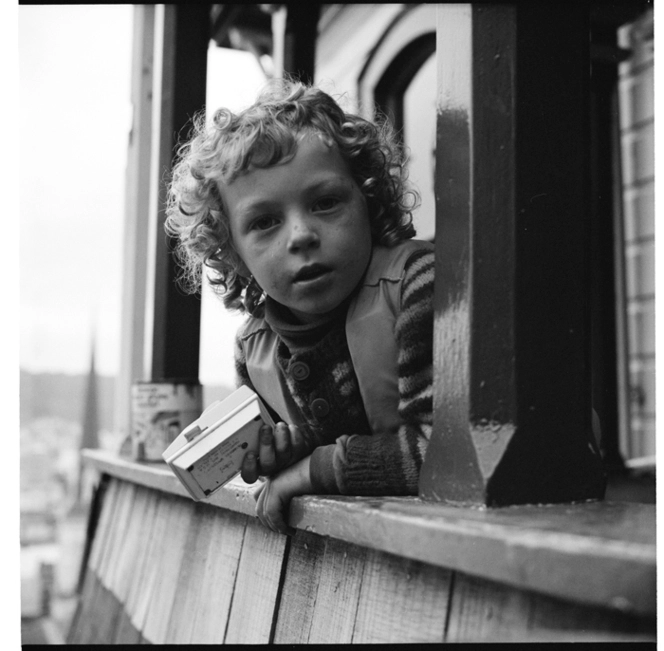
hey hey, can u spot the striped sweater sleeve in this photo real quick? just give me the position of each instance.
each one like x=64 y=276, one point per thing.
x=387 y=464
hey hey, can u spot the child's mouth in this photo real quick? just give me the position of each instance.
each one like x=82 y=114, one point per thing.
x=309 y=273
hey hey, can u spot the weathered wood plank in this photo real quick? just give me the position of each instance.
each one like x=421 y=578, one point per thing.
x=108 y=570
x=192 y=575
x=127 y=563
x=104 y=527
x=555 y=619
x=401 y=601
x=483 y=611
x=84 y=627
x=257 y=586
x=338 y=593
x=157 y=540
x=142 y=551
x=168 y=563
x=299 y=593
x=218 y=582
x=112 y=532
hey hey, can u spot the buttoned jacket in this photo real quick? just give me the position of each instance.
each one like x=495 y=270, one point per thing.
x=370 y=332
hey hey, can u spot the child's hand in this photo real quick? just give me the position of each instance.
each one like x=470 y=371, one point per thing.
x=274 y=496
x=277 y=451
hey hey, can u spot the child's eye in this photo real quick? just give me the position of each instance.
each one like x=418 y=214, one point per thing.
x=263 y=223
x=326 y=203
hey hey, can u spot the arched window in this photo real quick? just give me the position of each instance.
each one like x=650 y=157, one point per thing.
x=400 y=78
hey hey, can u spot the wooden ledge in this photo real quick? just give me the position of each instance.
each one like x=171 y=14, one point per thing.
x=598 y=553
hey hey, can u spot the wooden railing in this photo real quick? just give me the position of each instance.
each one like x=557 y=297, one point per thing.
x=163 y=569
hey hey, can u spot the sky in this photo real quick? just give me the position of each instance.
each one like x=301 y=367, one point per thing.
x=74 y=122
x=75 y=117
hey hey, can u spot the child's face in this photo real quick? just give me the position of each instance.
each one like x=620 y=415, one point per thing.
x=302 y=228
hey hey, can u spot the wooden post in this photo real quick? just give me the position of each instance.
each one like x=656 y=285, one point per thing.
x=175 y=315
x=512 y=410
x=137 y=200
x=300 y=40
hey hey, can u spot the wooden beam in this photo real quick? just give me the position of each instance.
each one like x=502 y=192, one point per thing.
x=300 y=40
x=176 y=316
x=137 y=201
x=512 y=421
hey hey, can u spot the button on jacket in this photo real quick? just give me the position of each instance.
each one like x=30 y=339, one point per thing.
x=370 y=334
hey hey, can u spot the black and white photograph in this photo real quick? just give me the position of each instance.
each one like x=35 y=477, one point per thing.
x=336 y=323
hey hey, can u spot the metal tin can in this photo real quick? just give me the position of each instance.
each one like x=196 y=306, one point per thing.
x=160 y=411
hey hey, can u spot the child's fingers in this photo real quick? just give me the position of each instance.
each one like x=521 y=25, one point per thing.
x=273 y=516
x=249 y=471
x=261 y=502
x=298 y=444
x=269 y=511
x=266 y=451
x=278 y=524
x=282 y=444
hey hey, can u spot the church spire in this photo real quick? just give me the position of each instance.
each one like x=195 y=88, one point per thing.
x=90 y=433
x=90 y=438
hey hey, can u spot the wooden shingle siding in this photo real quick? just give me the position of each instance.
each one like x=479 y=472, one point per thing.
x=211 y=579
x=195 y=585
x=637 y=117
x=300 y=590
x=256 y=586
x=337 y=592
x=166 y=563
x=483 y=611
x=164 y=570
x=601 y=550
x=401 y=600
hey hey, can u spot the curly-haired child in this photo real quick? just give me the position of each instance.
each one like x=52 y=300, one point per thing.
x=301 y=216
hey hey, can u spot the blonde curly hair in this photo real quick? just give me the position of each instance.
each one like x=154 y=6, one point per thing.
x=261 y=136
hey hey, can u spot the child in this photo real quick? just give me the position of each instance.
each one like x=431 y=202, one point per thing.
x=300 y=214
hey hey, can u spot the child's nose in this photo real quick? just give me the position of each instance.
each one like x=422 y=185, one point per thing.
x=301 y=234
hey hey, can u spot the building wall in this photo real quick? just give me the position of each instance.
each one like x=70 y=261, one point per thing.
x=636 y=96
x=348 y=33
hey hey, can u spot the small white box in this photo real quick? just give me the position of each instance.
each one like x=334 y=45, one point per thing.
x=208 y=453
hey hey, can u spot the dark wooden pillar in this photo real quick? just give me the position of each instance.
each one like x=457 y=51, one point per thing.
x=176 y=326
x=300 y=40
x=512 y=420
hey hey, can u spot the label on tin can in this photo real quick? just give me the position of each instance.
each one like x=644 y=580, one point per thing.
x=160 y=411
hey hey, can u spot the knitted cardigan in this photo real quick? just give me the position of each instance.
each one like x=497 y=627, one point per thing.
x=347 y=457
